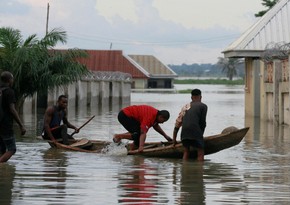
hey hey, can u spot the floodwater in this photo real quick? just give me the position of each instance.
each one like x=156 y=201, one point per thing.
x=254 y=172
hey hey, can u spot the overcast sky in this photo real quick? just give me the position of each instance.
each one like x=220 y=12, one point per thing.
x=175 y=31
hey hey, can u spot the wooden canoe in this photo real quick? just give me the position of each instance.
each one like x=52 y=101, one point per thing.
x=228 y=138
x=82 y=145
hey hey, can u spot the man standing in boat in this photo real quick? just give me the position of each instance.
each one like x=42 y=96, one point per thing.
x=192 y=118
x=56 y=122
x=7 y=138
x=137 y=119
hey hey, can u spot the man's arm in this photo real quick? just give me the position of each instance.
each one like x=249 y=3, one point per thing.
x=69 y=125
x=175 y=131
x=158 y=129
x=47 y=119
x=142 y=141
x=178 y=122
x=17 y=118
x=203 y=118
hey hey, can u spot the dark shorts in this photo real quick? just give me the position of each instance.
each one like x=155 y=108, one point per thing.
x=131 y=125
x=7 y=143
x=193 y=143
x=57 y=133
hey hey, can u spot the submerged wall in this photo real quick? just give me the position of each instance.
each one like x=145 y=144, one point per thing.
x=267 y=90
x=104 y=89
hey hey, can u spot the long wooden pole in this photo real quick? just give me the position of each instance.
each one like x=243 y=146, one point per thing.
x=83 y=125
x=47 y=18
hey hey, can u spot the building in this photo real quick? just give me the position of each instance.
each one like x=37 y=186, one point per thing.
x=158 y=74
x=146 y=71
x=265 y=47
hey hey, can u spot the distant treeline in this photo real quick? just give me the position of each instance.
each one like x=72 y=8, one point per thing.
x=210 y=81
x=204 y=70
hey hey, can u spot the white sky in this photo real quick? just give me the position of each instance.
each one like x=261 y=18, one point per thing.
x=175 y=31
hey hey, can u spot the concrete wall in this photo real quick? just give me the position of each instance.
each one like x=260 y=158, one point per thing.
x=139 y=83
x=267 y=92
x=283 y=103
x=250 y=91
x=125 y=89
x=87 y=94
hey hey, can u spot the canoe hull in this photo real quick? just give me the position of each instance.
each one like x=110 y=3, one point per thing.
x=213 y=144
x=94 y=146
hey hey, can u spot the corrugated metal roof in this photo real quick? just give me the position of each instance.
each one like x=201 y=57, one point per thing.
x=273 y=27
x=111 y=60
x=153 y=66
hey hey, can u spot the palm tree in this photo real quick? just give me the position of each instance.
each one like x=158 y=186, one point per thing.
x=36 y=66
x=229 y=66
x=267 y=3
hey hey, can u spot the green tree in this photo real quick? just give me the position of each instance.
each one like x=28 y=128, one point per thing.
x=229 y=66
x=267 y=3
x=36 y=66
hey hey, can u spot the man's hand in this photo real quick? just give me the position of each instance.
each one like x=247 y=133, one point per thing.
x=140 y=149
x=54 y=140
x=174 y=142
x=168 y=138
x=23 y=130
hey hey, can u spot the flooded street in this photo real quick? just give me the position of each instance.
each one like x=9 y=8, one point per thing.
x=254 y=172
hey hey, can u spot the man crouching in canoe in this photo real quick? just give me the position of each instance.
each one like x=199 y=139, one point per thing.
x=53 y=117
x=137 y=119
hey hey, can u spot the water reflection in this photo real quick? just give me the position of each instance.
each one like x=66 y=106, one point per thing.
x=192 y=190
x=273 y=139
x=54 y=173
x=7 y=174
x=226 y=181
x=254 y=172
x=140 y=184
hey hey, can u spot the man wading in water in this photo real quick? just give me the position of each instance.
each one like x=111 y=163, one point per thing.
x=192 y=118
x=7 y=138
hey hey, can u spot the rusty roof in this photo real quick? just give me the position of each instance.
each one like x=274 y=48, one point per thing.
x=111 y=60
x=139 y=66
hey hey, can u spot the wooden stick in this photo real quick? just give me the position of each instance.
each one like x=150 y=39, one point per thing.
x=83 y=125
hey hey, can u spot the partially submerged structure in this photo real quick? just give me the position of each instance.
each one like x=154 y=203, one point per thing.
x=157 y=74
x=147 y=71
x=265 y=47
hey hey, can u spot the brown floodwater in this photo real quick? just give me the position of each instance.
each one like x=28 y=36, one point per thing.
x=254 y=172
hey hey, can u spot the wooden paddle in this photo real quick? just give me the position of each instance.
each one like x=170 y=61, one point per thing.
x=83 y=125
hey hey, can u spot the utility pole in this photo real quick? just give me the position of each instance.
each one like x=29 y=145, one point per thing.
x=47 y=17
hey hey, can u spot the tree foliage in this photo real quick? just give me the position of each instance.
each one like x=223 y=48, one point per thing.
x=229 y=66
x=268 y=4
x=36 y=66
x=205 y=70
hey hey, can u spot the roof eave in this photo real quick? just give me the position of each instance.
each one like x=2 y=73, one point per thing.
x=242 y=53
x=163 y=76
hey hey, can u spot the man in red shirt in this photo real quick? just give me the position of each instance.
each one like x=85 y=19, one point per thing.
x=137 y=119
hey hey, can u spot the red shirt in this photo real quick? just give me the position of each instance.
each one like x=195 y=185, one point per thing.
x=144 y=114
